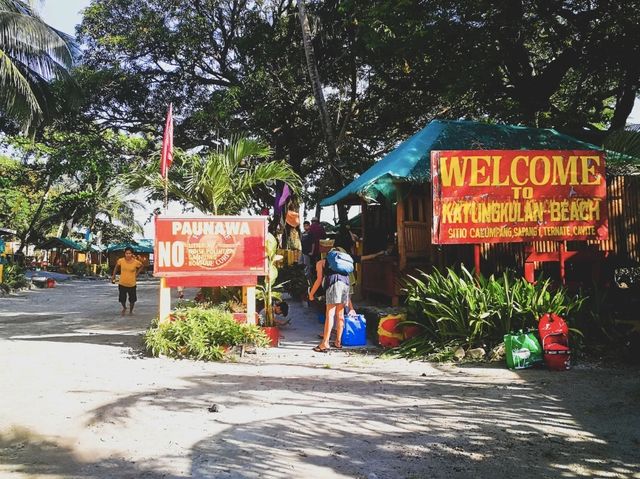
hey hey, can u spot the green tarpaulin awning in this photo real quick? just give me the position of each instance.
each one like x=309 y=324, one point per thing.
x=411 y=160
x=61 y=243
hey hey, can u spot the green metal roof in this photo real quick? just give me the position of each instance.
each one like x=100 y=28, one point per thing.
x=411 y=160
x=62 y=243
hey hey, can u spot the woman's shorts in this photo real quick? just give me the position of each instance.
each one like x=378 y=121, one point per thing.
x=337 y=293
x=124 y=291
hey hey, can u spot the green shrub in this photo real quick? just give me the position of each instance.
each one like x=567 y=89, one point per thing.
x=13 y=277
x=79 y=269
x=104 y=270
x=462 y=310
x=200 y=333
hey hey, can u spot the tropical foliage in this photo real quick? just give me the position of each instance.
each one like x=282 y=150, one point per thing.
x=268 y=290
x=200 y=333
x=385 y=68
x=623 y=149
x=13 y=277
x=32 y=54
x=458 y=309
x=19 y=195
x=70 y=180
x=381 y=68
x=294 y=280
x=223 y=181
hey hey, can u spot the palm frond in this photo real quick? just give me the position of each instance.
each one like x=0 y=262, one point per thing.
x=16 y=96
x=220 y=182
x=28 y=35
x=623 y=147
x=31 y=55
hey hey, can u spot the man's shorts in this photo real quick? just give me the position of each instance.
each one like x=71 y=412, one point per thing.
x=123 y=291
x=337 y=293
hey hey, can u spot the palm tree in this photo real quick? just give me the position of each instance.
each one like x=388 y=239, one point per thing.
x=104 y=199
x=224 y=181
x=623 y=148
x=31 y=55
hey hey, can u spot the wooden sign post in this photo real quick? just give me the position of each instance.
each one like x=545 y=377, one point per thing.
x=210 y=251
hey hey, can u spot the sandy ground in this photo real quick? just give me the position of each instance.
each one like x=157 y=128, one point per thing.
x=78 y=399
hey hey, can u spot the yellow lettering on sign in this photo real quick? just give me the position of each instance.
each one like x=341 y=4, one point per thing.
x=589 y=168
x=524 y=170
x=479 y=175
x=452 y=171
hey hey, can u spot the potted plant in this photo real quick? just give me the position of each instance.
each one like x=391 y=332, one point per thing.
x=267 y=290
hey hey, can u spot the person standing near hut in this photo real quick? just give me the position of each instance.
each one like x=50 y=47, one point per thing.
x=307 y=245
x=129 y=269
x=337 y=286
x=317 y=232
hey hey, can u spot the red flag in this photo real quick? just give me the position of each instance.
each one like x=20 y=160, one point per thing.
x=166 y=158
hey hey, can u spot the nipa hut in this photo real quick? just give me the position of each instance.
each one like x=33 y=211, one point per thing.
x=396 y=198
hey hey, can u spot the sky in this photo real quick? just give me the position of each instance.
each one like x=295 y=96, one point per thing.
x=66 y=14
x=63 y=14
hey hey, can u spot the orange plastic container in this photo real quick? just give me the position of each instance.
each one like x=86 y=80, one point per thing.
x=390 y=335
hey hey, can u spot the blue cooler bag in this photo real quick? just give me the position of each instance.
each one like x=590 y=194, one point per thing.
x=355 y=331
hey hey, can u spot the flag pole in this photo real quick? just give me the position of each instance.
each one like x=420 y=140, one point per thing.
x=166 y=157
x=166 y=194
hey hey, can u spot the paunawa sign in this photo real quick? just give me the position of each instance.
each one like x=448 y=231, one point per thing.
x=228 y=245
x=490 y=196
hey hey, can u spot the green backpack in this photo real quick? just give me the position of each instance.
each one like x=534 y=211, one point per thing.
x=522 y=350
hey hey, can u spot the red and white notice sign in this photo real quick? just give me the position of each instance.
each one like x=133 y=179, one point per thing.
x=212 y=245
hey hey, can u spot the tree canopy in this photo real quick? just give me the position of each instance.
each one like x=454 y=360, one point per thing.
x=69 y=180
x=386 y=68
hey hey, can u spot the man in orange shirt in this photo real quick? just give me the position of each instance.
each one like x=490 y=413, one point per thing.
x=129 y=268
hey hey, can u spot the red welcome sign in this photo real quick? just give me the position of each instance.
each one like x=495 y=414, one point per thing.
x=208 y=246
x=486 y=196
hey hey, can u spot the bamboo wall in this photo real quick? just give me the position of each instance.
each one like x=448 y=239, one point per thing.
x=623 y=245
x=623 y=198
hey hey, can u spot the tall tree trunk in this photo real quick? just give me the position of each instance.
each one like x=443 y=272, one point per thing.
x=316 y=84
x=36 y=215
x=624 y=102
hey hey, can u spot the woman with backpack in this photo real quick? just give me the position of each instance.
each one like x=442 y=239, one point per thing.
x=333 y=273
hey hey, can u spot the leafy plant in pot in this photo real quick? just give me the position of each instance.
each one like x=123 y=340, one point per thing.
x=268 y=290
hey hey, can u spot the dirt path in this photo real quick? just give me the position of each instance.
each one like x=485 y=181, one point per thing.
x=79 y=400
